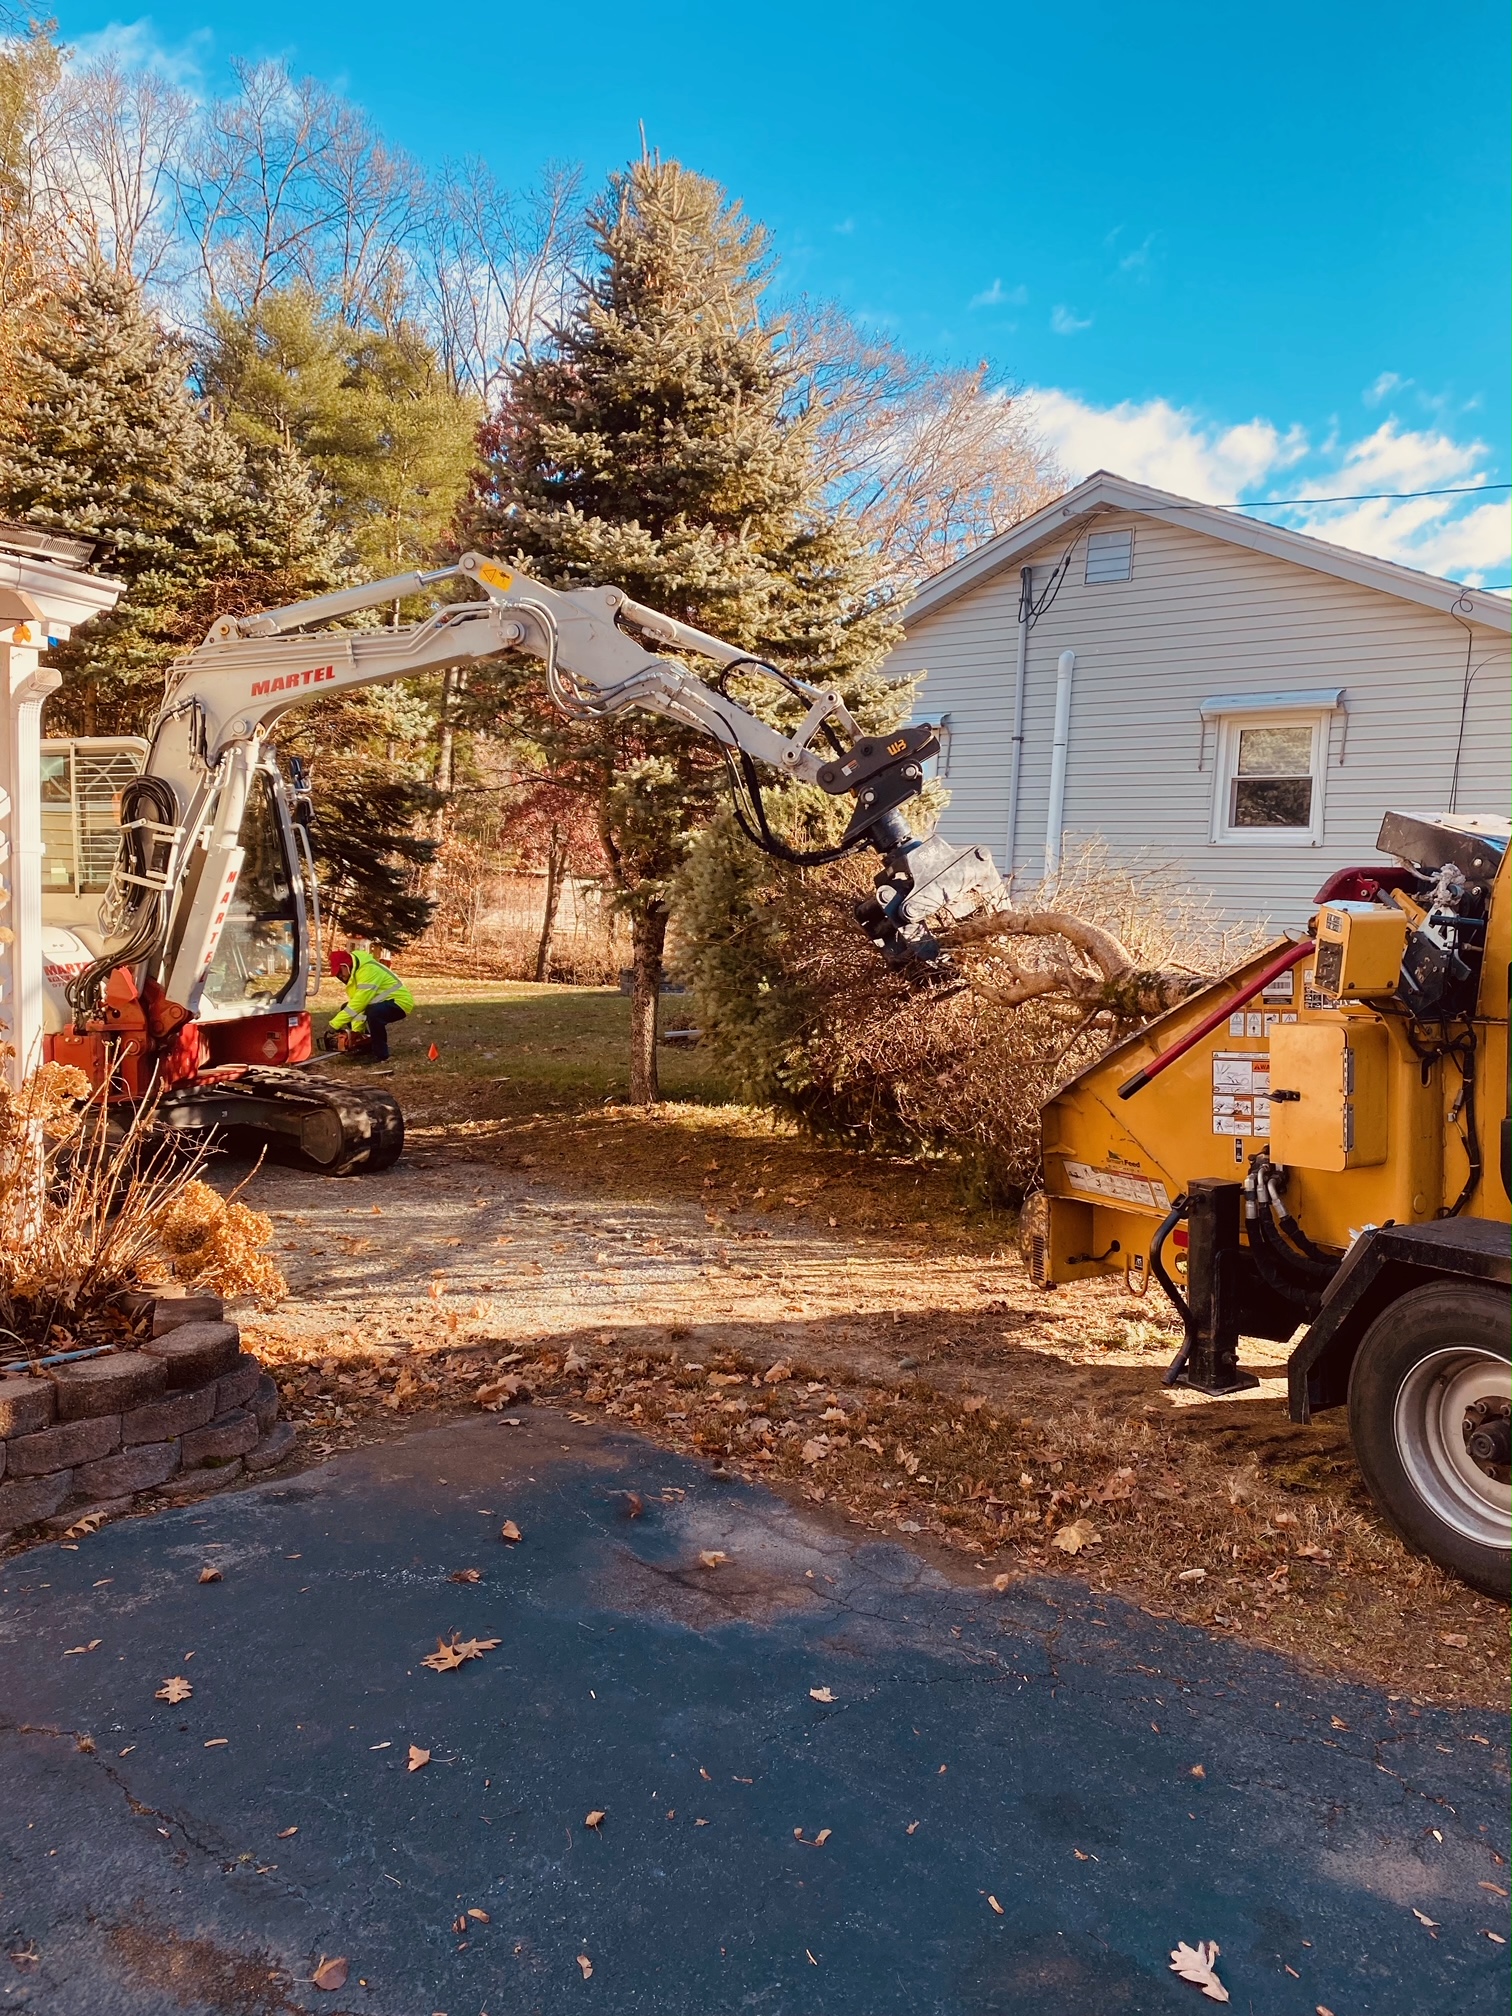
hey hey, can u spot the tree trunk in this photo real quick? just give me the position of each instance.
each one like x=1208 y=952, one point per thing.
x=444 y=777
x=556 y=862
x=648 y=940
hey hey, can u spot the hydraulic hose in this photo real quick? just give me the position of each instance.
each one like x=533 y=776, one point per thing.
x=143 y=860
x=1178 y=1301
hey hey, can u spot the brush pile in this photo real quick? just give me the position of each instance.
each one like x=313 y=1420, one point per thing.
x=791 y=996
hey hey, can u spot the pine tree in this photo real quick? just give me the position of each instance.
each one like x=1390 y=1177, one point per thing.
x=654 y=446
x=113 y=446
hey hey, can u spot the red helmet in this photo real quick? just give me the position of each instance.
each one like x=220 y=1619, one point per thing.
x=341 y=963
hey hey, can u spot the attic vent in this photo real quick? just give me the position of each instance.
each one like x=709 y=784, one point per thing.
x=1110 y=556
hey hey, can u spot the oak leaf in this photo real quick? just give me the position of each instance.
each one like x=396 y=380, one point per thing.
x=418 y=1758
x=176 y=1689
x=1195 y=1964
x=331 y=1974
x=1074 y=1538
x=456 y=1651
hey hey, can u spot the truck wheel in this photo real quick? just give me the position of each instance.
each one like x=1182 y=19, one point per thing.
x=1429 y=1400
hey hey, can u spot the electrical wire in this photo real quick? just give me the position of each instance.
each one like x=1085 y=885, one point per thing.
x=1354 y=497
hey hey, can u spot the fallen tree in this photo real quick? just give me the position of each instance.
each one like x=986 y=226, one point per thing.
x=789 y=996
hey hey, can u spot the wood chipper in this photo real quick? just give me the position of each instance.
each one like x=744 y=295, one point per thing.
x=1305 y=1145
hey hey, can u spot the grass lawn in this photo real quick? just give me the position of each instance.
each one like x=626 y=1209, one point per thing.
x=523 y=1047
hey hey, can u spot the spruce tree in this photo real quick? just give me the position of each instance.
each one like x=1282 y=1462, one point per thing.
x=113 y=446
x=654 y=445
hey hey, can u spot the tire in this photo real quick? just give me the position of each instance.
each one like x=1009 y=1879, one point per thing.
x=1431 y=1371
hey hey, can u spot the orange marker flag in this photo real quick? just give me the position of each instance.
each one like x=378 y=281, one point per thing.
x=433 y=1053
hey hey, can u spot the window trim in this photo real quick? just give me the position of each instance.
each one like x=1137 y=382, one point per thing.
x=1316 y=719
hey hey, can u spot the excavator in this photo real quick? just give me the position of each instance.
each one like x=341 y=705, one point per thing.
x=1302 y=1147
x=190 y=981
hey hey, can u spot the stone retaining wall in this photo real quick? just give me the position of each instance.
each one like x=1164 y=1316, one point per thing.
x=183 y=1414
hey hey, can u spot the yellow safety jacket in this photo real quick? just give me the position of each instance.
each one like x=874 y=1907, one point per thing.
x=370 y=982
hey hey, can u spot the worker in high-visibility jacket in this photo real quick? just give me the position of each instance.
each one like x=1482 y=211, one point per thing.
x=376 y=998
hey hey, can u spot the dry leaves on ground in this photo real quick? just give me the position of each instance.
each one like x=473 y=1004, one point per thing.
x=710 y=1557
x=1073 y=1539
x=510 y=1532
x=821 y=1694
x=595 y=1818
x=74 y=1650
x=331 y=1974
x=1196 y=1964
x=465 y=1575
x=418 y=1758
x=210 y=1575
x=176 y=1689
x=587 y=1966
x=456 y=1651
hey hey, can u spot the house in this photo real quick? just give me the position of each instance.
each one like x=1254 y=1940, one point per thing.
x=1196 y=687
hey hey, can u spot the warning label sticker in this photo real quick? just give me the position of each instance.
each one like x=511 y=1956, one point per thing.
x=1241 y=1092
x=1116 y=1186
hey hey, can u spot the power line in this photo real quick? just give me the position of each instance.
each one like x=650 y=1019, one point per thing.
x=1359 y=497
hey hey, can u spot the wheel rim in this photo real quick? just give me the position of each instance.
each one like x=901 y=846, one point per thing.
x=1446 y=1399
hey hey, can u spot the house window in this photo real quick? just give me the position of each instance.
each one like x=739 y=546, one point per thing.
x=1110 y=556
x=1270 y=773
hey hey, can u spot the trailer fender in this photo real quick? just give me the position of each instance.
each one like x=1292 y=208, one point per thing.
x=1384 y=1262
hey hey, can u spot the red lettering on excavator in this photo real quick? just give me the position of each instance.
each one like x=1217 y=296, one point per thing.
x=287 y=681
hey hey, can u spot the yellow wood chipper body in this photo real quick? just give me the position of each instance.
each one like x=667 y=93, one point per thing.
x=1318 y=1143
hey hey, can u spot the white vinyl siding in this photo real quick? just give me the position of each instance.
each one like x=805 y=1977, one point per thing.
x=1200 y=616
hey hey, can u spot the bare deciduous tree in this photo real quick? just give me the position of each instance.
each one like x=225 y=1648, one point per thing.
x=494 y=268
x=106 y=155
x=929 y=462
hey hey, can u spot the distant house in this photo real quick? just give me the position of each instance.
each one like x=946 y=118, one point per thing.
x=1198 y=687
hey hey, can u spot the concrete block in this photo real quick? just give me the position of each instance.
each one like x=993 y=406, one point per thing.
x=190 y=1484
x=273 y=1448
x=102 y=1509
x=235 y=1388
x=107 y=1385
x=29 y=1499
x=62 y=1447
x=161 y=1420
x=171 y=1312
x=233 y=1435
x=196 y=1352
x=137 y=1469
x=265 y=1402
x=26 y=1404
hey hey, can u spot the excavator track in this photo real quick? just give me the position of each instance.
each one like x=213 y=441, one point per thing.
x=338 y=1129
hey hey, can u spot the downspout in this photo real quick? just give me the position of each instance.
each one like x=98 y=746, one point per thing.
x=1065 y=666
x=1020 y=678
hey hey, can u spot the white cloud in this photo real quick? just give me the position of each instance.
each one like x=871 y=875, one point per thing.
x=1173 y=448
x=999 y=296
x=845 y=228
x=135 y=45
x=1065 y=322
x=1383 y=387
x=1155 y=442
x=1135 y=261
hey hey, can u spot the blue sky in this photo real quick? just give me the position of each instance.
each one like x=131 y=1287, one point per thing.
x=1238 y=252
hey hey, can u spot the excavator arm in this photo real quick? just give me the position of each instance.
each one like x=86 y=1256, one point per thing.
x=182 y=851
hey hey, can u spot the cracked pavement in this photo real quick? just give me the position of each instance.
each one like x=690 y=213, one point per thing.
x=1030 y=1795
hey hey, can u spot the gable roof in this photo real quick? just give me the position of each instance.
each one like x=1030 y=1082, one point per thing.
x=1106 y=492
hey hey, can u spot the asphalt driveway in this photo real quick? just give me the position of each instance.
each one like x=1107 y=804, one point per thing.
x=835 y=1780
